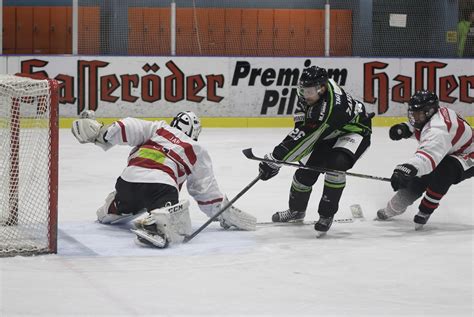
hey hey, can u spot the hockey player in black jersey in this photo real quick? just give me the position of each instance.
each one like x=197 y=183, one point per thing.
x=332 y=130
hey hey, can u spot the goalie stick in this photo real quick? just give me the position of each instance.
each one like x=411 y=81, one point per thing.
x=249 y=154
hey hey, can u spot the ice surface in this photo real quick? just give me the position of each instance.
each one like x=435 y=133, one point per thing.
x=365 y=268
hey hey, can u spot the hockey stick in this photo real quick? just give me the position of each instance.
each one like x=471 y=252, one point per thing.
x=301 y=223
x=201 y=228
x=249 y=154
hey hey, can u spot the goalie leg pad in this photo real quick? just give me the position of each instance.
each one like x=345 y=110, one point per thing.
x=178 y=217
x=233 y=216
x=171 y=223
x=108 y=214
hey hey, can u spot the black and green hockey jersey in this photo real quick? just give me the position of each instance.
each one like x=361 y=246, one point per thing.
x=336 y=113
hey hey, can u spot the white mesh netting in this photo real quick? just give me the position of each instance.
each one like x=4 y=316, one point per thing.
x=28 y=172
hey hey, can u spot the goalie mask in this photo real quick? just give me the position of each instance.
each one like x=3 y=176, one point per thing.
x=189 y=123
x=312 y=84
x=421 y=107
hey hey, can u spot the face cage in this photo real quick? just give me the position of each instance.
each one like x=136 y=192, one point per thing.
x=422 y=118
x=310 y=92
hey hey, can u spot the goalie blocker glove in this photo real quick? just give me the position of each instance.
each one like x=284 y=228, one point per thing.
x=399 y=131
x=402 y=175
x=268 y=170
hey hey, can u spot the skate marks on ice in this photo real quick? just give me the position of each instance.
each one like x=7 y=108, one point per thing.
x=432 y=228
x=93 y=239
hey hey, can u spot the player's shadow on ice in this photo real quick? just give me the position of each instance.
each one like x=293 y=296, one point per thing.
x=405 y=226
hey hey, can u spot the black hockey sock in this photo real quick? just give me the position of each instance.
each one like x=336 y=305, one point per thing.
x=329 y=203
x=299 y=196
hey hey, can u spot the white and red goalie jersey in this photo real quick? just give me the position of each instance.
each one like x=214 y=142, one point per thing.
x=446 y=133
x=163 y=154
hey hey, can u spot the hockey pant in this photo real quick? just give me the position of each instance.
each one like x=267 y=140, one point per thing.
x=131 y=199
x=338 y=154
x=434 y=186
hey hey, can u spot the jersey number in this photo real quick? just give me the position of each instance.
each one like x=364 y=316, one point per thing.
x=296 y=134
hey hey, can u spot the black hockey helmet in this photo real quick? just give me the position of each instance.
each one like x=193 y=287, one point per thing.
x=313 y=76
x=312 y=84
x=421 y=107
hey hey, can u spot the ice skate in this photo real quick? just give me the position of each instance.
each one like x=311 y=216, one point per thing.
x=289 y=216
x=149 y=233
x=420 y=220
x=323 y=225
x=383 y=214
x=150 y=239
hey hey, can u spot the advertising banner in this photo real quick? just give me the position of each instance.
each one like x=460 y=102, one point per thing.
x=240 y=86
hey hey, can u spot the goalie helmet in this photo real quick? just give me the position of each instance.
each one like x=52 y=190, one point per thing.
x=312 y=84
x=421 y=107
x=189 y=123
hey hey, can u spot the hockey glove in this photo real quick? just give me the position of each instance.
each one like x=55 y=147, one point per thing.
x=86 y=130
x=402 y=175
x=399 y=131
x=88 y=114
x=268 y=169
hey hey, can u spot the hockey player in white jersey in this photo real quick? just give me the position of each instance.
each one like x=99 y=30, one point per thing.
x=445 y=156
x=162 y=159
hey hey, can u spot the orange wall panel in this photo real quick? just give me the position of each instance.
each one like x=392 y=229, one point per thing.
x=233 y=31
x=69 y=31
x=296 y=41
x=151 y=30
x=216 y=31
x=135 y=31
x=343 y=30
x=58 y=30
x=201 y=31
x=41 y=30
x=9 y=30
x=165 y=32
x=89 y=30
x=24 y=30
x=265 y=34
x=249 y=31
x=314 y=32
x=186 y=44
x=281 y=40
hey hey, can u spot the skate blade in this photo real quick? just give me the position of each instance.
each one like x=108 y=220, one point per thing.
x=297 y=221
x=320 y=234
x=155 y=240
x=419 y=226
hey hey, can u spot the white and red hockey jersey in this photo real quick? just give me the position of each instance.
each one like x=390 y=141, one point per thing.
x=445 y=134
x=163 y=154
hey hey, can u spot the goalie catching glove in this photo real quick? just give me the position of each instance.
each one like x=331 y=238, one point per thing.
x=88 y=130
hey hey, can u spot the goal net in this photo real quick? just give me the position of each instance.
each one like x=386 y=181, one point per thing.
x=28 y=165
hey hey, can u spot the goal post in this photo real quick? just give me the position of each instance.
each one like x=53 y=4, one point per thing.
x=28 y=165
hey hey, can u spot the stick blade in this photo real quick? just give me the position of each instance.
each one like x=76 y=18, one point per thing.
x=248 y=153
